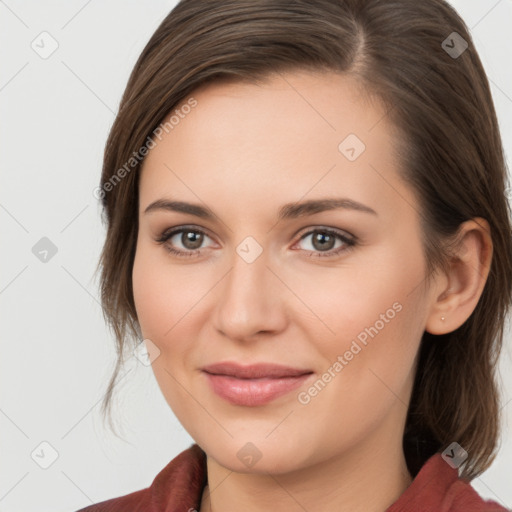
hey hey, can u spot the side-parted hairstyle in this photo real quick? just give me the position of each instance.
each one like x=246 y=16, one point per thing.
x=436 y=93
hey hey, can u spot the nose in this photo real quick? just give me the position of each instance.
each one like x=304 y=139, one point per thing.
x=251 y=300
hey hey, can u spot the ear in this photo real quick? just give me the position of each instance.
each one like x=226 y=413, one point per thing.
x=456 y=294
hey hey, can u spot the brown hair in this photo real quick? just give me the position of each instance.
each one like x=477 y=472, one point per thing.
x=450 y=151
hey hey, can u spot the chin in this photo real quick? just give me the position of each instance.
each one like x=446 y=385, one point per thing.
x=255 y=457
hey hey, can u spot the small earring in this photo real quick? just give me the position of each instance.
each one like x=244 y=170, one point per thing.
x=442 y=318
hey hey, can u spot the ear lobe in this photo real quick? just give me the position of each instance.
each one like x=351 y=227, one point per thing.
x=463 y=285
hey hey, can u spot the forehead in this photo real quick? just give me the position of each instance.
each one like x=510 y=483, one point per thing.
x=327 y=103
x=292 y=134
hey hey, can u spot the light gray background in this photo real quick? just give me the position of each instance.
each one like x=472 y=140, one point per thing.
x=57 y=353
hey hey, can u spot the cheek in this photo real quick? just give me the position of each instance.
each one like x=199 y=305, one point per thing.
x=163 y=303
x=375 y=315
x=371 y=292
x=162 y=293
x=170 y=302
x=147 y=294
x=369 y=366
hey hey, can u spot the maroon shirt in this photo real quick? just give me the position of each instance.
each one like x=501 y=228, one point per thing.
x=179 y=487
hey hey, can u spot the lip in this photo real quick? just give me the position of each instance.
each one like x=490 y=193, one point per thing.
x=255 y=384
x=254 y=371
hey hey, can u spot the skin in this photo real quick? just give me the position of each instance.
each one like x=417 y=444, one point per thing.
x=244 y=151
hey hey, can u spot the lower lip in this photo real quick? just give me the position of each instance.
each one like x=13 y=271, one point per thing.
x=253 y=392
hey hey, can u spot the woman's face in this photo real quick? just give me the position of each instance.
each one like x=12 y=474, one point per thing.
x=337 y=292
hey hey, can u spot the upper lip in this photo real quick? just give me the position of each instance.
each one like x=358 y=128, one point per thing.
x=254 y=371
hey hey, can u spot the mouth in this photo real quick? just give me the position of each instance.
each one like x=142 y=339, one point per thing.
x=256 y=384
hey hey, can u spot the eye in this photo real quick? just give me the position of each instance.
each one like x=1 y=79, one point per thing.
x=323 y=242
x=190 y=238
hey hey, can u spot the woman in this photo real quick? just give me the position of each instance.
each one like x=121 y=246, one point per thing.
x=308 y=227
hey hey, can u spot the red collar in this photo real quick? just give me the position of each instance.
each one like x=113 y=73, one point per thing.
x=436 y=487
x=179 y=487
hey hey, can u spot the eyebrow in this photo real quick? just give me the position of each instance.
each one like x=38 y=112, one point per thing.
x=286 y=212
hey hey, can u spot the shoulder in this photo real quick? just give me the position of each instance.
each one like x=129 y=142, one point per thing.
x=437 y=487
x=133 y=502
x=461 y=497
x=178 y=486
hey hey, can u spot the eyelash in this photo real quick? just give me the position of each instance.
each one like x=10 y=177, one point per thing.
x=349 y=242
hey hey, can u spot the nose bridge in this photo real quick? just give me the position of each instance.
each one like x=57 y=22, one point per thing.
x=249 y=300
